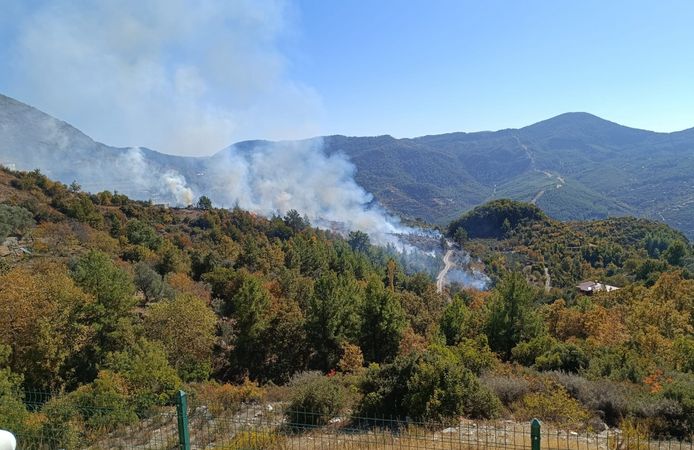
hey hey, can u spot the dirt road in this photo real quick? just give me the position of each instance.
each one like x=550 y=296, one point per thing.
x=441 y=277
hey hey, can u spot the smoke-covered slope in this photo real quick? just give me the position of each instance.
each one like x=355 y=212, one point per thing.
x=573 y=166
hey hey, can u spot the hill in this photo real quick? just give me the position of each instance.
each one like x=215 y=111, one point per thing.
x=115 y=304
x=574 y=166
x=515 y=236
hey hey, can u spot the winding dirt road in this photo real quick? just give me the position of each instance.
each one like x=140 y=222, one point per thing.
x=441 y=277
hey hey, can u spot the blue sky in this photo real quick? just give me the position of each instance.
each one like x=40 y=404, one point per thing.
x=414 y=67
x=189 y=77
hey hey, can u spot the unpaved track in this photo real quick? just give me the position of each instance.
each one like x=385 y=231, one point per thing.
x=441 y=277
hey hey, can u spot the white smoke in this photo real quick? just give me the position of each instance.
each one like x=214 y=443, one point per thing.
x=147 y=181
x=184 y=76
x=176 y=184
x=272 y=178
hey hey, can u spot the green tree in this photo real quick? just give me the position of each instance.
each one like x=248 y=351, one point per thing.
x=204 y=202
x=145 y=367
x=511 y=317
x=383 y=322
x=675 y=253
x=455 y=321
x=13 y=413
x=109 y=314
x=149 y=282
x=359 y=241
x=140 y=233
x=433 y=385
x=294 y=221
x=332 y=317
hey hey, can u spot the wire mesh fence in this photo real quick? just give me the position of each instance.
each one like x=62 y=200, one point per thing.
x=56 y=424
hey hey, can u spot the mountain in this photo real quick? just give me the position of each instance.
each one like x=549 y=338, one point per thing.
x=573 y=166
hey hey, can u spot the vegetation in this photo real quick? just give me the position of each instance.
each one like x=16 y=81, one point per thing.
x=120 y=303
x=617 y=251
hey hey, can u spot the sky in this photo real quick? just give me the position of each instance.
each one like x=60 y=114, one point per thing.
x=191 y=77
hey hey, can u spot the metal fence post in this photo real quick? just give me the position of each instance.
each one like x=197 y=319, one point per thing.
x=535 y=434
x=182 y=413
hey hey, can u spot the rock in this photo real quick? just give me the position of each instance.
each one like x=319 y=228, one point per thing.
x=450 y=430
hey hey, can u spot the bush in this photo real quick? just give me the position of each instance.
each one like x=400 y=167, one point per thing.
x=610 y=399
x=475 y=354
x=14 y=220
x=616 y=365
x=104 y=404
x=507 y=389
x=219 y=398
x=432 y=386
x=316 y=399
x=150 y=378
x=12 y=410
x=566 y=357
x=553 y=405
x=62 y=423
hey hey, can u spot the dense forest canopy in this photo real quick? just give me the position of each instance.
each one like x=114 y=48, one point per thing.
x=119 y=303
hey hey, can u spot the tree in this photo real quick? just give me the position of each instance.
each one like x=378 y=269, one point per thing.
x=140 y=233
x=454 y=322
x=675 y=253
x=511 y=318
x=460 y=236
x=185 y=326
x=383 y=322
x=359 y=241
x=331 y=317
x=109 y=314
x=149 y=282
x=43 y=324
x=294 y=220
x=151 y=380
x=204 y=202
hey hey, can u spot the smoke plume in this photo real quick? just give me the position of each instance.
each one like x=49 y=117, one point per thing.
x=272 y=178
x=184 y=76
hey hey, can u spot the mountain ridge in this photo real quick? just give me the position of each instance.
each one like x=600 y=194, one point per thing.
x=574 y=166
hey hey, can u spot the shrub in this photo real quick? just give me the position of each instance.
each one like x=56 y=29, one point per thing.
x=683 y=349
x=553 y=404
x=62 y=423
x=150 y=378
x=219 y=398
x=14 y=220
x=316 y=399
x=566 y=357
x=12 y=410
x=546 y=353
x=616 y=364
x=680 y=419
x=105 y=404
x=507 y=389
x=432 y=386
x=610 y=399
x=475 y=354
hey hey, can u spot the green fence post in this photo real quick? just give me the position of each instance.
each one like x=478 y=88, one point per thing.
x=182 y=413
x=535 y=434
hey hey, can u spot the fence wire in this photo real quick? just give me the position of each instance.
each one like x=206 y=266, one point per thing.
x=54 y=425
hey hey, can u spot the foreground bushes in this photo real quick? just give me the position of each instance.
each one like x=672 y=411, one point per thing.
x=430 y=386
x=316 y=399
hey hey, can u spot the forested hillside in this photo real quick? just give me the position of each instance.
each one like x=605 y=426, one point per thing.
x=113 y=303
x=517 y=236
x=574 y=166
